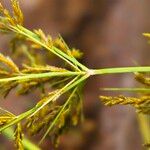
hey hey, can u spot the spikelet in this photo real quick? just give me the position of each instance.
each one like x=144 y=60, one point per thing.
x=4 y=12
x=7 y=20
x=5 y=118
x=146 y=145
x=76 y=53
x=142 y=79
x=6 y=88
x=3 y=72
x=60 y=44
x=142 y=104
x=18 y=137
x=9 y=63
x=40 y=68
x=54 y=119
x=146 y=35
x=47 y=40
x=41 y=120
x=17 y=13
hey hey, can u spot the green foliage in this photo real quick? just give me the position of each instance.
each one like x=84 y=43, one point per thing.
x=48 y=115
x=60 y=106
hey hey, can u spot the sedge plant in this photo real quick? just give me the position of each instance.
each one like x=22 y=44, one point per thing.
x=60 y=106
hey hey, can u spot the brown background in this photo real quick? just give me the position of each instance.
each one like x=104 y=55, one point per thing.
x=110 y=34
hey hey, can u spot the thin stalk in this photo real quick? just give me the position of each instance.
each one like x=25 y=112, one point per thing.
x=28 y=55
x=70 y=85
x=41 y=75
x=53 y=49
x=127 y=89
x=9 y=133
x=60 y=81
x=55 y=96
x=34 y=39
x=120 y=70
x=34 y=109
x=72 y=59
x=77 y=82
x=57 y=116
x=18 y=119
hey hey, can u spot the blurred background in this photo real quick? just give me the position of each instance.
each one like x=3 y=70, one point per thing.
x=109 y=32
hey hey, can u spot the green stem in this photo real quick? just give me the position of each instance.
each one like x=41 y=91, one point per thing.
x=41 y=75
x=72 y=59
x=55 y=96
x=127 y=89
x=9 y=133
x=18 y=119
x=32 y=36
x=34 y=109
x=57 y=116
x=70 y=85
x=71 y=73
x=120 y=70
